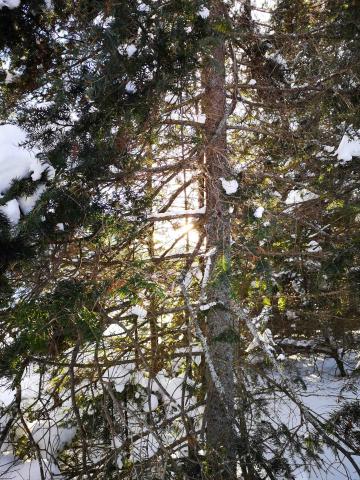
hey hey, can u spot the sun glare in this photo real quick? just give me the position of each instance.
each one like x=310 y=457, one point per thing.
x=186 y=236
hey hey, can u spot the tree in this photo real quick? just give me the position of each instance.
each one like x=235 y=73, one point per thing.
x=174 y=128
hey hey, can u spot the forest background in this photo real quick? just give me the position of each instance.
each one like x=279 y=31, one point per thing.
x=179 y=239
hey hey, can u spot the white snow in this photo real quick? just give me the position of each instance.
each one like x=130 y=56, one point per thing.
x=145 y=447
x=51 y=438
x=173 y=387
x=267 y=339
x=30 y=383
x=12 y=211
x=119 y=462
x=12 y=469
x=206 y=275
x=10 y=78
x=259 y=212
x=103 y=21
x=113 y=329
x=188 y=279
x=230 y=186
x=349 y=147
x=204 y=12
x=324 y=391
x=138 y=311
x=18 y=163
x=150 y=404
x=260 y=12
x=9 y=4
x=313 y=247
x=119 y=375
x=207 y=306
x=27 y=204
x=131 y=49
x=240 y=167
x=299 y=196
x=278 y=58
x=130 y=87
x=15 y=162
x=143 y=8
x=322 y=396
x=357 y=366
x=7 y=395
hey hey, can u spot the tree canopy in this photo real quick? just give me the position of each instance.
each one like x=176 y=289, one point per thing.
x=179 y=239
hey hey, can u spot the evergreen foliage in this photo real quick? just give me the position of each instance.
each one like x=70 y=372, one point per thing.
x=197 y=244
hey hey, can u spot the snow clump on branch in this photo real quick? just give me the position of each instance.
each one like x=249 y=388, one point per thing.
x=230 y=186
x=11 y=4
x=204 y=12
x=17 y=163
x=349 y=147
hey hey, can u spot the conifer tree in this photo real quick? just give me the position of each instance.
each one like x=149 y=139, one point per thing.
x=194 y=167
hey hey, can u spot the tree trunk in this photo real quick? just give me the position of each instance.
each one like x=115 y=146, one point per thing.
x=221 y=441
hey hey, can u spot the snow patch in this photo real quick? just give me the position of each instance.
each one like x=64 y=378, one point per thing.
x=204 y=12
x=207 y=306
x=230 y=186
x=145 y=447
x=10 y=77
x=137 y=310
x=151 y=404
x=131 y=50
x=27 y=204
x=13 y=469
x=349 y=147
x=12 y=211
x=259 y=212
x=113 y=329
x=313 y=247
x=299 y=196
x=9 y=4
x=130 y=87
x=119 y=375
x=241 y=167
x=143 y=8
x=51 y=438
x=17 y=163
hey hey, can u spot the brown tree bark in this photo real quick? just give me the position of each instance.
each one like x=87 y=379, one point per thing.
x=221 y=440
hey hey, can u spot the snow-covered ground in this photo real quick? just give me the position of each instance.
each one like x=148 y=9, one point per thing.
x=321 y=389
x=317 y=383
